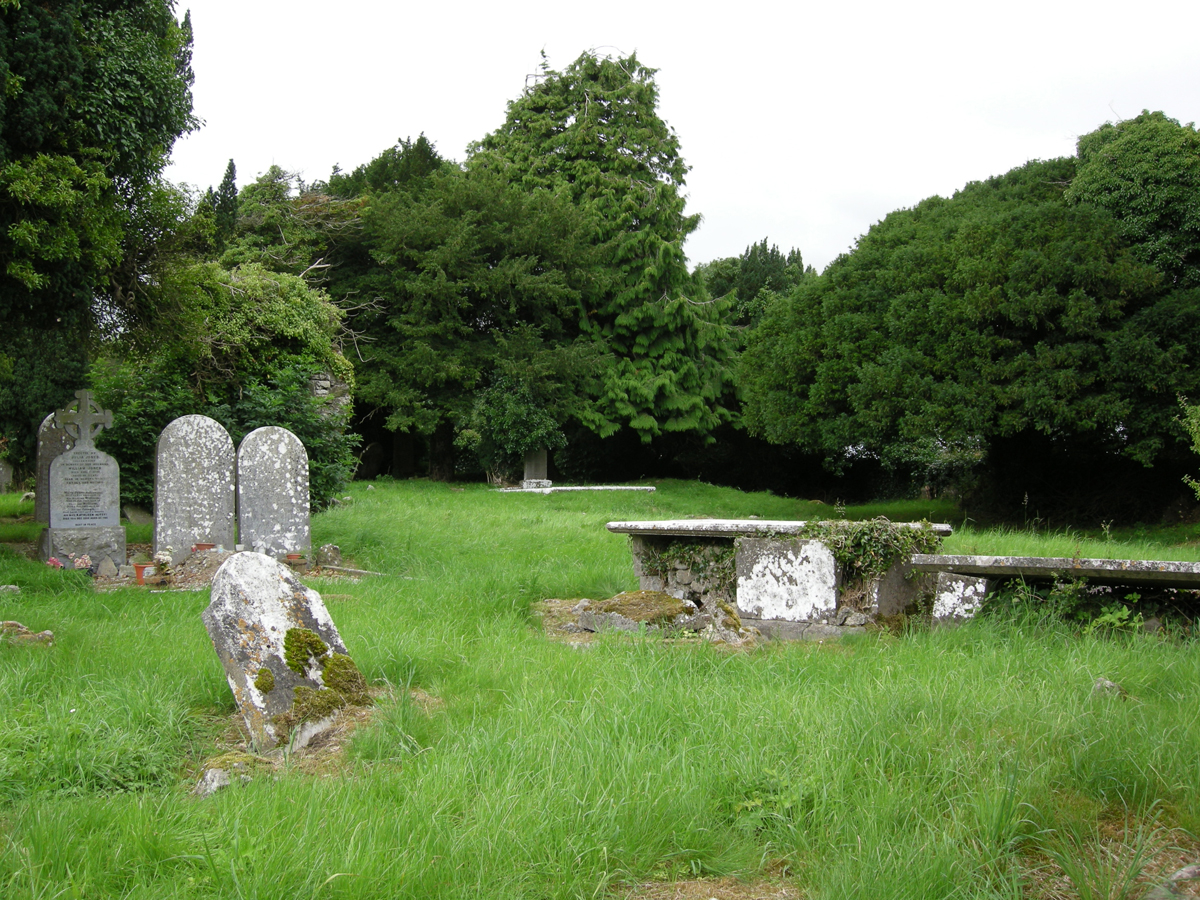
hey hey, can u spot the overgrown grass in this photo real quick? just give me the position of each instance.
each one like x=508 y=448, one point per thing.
x=938 y=764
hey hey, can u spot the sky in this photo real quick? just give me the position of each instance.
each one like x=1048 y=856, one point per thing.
x=803 y=123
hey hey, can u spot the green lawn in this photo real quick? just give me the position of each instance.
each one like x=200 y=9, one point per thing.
x=946 y=763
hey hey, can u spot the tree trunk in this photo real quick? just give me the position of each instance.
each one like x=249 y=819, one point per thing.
x=441 y=453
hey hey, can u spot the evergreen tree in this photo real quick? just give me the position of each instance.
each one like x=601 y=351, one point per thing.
x=225 y=206
x=592 y=133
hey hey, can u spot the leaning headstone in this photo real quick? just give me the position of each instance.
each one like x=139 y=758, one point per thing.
x=282 y=654
x=6 y=476
x=52 y=442
x=537 y=469
x=85 y=491
x=194 y=486
x=272 y=492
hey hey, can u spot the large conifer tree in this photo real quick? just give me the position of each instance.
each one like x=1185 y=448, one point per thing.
x=592 y=132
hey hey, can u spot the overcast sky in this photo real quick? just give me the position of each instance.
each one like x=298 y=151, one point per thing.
x=803 y=123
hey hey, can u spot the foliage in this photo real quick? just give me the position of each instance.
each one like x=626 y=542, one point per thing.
x=45 y=369
x=755 y=279
x=1004 y=314
x=866 y=550
x=1145 y=171
x=592 y=134
x=245 y=354
x=396 y=167
x=507 y=422
x=92 y=96
x=225 y=206
x=481 y=277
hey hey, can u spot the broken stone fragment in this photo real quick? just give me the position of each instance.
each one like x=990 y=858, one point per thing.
x=15 y=632
x=282 y=654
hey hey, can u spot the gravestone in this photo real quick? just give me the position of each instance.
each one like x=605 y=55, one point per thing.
x=537 y=469
x=280 y=651
x=194 y=486
x=272 y=492
x=786 y=578
x=84 y=491
x=6 y=476
x=52 y=442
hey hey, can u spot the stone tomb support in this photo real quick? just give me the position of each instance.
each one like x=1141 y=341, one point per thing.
x=194 y=486
x=786 y=586
x=272 y=489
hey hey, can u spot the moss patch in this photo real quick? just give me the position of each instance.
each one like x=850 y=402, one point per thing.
x=264 y=681
x=651 y=607
x=341 y=675
x=301 y=648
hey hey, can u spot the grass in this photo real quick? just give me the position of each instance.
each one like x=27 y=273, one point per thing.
x=949 y=763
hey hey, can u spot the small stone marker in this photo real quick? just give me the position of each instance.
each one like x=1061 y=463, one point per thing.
x=282 y=654
x=194 y=486
x=85 y=491
x=52 y=442
x=273 y=492
x=537 y=469
x=958 y=596
x=6 y=476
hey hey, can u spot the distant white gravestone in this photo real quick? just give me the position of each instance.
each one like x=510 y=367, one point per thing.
x=273 y=503
x=194 y=486
x=85 y=491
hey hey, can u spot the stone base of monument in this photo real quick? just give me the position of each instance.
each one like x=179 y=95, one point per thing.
x=68 y=544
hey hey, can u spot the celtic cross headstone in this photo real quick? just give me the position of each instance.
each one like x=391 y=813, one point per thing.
x=84 y=491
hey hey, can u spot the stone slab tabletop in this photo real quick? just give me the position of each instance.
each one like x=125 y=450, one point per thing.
x=732 y=527
x=593 y=487
x=1113 y=571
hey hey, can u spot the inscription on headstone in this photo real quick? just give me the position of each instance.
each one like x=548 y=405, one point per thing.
x=84 y=491
x=273 y=492
x=194 y=486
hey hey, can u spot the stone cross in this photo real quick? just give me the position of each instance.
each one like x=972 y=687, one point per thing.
x=86 y=421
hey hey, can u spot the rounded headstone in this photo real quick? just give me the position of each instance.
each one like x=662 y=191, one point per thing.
x=273 y=505
x=194 y=486
x=52 y=442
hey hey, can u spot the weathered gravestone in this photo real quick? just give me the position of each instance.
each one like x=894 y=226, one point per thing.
x=273 y=492
x=6 y=476
x=537 y=469
x=283 y=656
x=194 y=486
x=52 y=442
x=85 y=491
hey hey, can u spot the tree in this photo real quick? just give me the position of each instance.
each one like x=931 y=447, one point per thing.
x=395 y=167
x=1146 y=172
x=754 y=279
x=246 y=344
x=592 y=134
x=1003 y=324
x=92 y=96
x=481 y=284
x=225 y=206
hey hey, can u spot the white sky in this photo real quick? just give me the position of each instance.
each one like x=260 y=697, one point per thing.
x=804 y=123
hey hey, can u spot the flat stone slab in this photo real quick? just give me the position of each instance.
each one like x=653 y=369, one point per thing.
x=561 y=490
x=796 y=581
x=1045 y=568
x=734 y=527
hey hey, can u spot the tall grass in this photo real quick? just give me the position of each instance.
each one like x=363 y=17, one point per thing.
x=923 y=766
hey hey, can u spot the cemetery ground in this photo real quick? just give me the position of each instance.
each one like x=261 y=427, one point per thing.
x=969 y=762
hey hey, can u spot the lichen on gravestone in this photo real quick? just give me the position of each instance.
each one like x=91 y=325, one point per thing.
x=283 y=657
